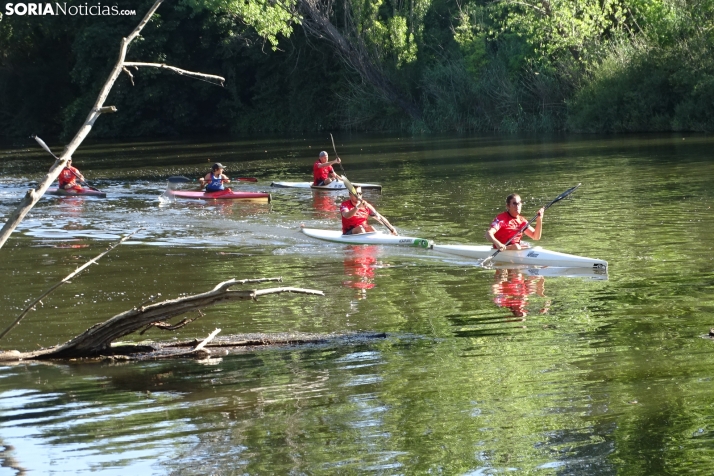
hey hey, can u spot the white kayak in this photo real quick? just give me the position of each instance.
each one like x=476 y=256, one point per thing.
x=535 y=256
x=375 y=238
x=336 y=185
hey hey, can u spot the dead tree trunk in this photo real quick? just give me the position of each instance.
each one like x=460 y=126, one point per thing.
x=353 y=52
x=33 y=195
x=98 y=339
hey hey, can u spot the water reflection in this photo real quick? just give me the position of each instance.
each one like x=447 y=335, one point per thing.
x=360 y=264
x=511 y=290
x=221 y=207
x=72 y=207
x=325 y=204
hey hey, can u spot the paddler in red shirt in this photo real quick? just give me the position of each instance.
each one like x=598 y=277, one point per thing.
x=68 y=177
x=355 y=213
x=509 y=223
x=322 y=170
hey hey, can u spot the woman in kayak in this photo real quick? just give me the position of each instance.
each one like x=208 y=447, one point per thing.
x=68 y=177
x=355 y=213
x=322 y=170
x=214 y=180
x=508 y=224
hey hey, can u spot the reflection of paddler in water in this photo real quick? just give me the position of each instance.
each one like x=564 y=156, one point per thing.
x=360 y=265
x=324 y=203
x=511 y=290
x=72 y=207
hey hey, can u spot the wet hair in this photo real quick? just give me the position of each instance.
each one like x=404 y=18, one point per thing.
x=511 y=197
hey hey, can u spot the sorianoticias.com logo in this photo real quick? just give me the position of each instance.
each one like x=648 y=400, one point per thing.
x=57 y=8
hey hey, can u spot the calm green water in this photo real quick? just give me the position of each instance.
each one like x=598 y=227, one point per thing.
x=483 y=371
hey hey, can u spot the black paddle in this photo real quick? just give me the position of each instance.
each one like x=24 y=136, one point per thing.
x=525 y=227
x=182 y=179
x=82 y=182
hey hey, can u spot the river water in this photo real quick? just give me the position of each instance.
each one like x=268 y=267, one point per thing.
x=483 y=371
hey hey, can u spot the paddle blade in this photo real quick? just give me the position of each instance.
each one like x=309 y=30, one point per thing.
x=486 y=263
x=179 y=179
x=564 y=194
x=44 y=146
x=348 y=185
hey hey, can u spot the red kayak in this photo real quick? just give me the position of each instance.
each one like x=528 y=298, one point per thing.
x=85 y=192
x=222 y=195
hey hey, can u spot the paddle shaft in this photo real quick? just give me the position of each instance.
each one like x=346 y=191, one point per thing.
x=335 y=149
x=380 y=218
x=525 y=227
x=81 y=179
x=351 y=188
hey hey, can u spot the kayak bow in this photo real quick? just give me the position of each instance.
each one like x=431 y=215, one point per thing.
x=374 y=238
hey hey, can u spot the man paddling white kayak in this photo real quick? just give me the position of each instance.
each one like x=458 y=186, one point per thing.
x=509 y=226
x=356 y=211
x=322 y=170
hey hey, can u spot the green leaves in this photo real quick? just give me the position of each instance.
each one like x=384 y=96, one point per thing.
x=268 y=18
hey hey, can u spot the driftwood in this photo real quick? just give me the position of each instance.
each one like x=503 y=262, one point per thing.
x=97 y=339
x=33 y=195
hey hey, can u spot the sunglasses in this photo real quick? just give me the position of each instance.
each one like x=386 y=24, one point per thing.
x=516 y=203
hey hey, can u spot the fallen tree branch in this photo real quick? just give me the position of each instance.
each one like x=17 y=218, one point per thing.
x=65 y=280
x=98 y=339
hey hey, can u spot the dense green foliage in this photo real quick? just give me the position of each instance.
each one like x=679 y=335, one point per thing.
x=591 y=65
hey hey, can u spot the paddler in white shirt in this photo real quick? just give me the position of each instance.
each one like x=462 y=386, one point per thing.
x=355 y=213
x=507 y=225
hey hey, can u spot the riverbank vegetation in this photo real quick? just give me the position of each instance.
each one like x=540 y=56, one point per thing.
x=423 y=65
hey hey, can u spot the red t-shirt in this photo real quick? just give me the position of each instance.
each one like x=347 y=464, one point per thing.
x=320 y=173
x=68 y=177
x=506 y=226
x=359 y=218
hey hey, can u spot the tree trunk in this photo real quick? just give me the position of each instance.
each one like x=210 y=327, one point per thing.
x=316 y=22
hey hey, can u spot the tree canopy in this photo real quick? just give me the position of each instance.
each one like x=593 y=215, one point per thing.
x=423 y=65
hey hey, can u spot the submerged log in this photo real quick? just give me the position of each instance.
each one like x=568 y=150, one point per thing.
x=97 y=339
x=233 y=344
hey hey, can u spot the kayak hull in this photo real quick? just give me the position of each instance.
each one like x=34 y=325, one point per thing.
x=337 y=185
x=375 y=238
x=261 y=197
x=85 y=192
x=535 y=256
